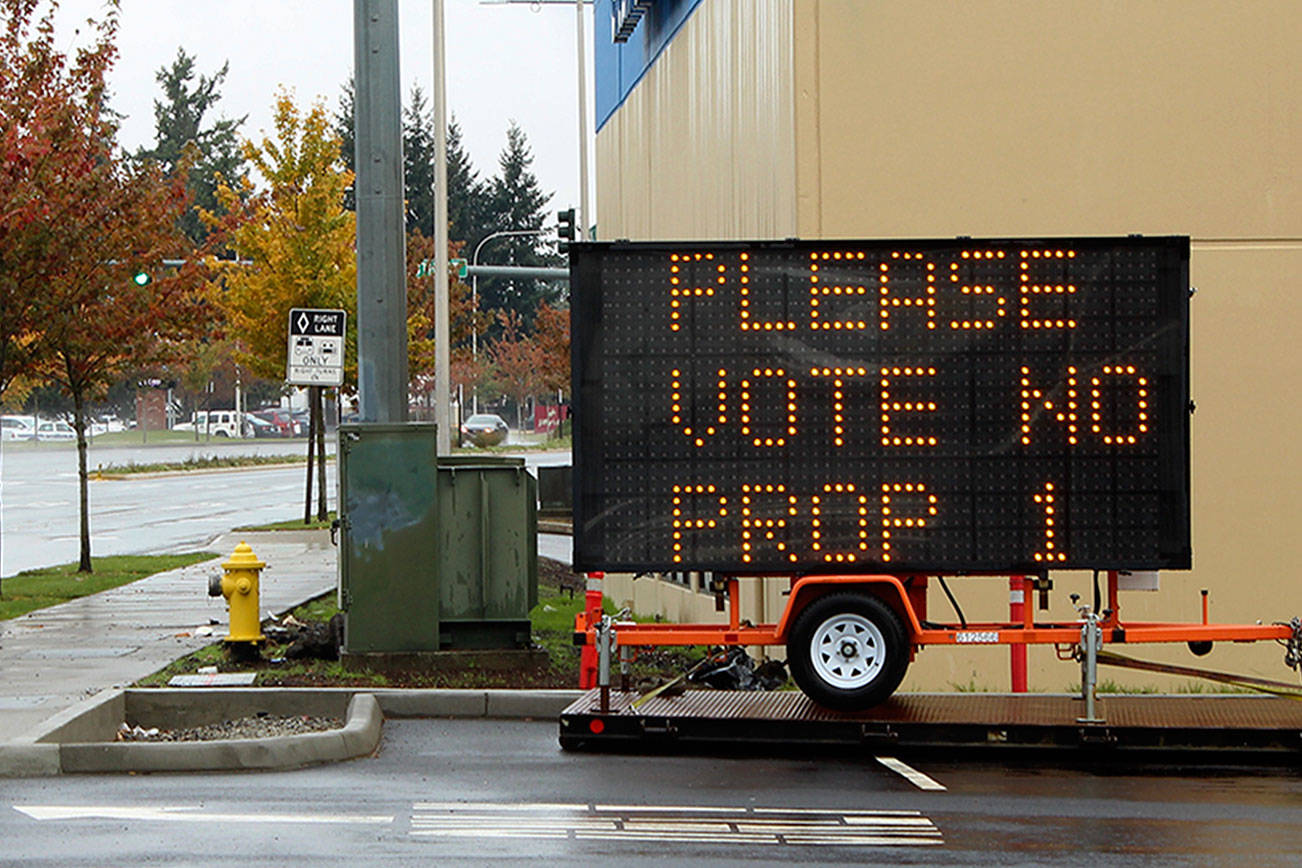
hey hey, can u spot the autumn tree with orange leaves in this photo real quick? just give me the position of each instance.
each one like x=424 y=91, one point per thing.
x=299 y=242
x=551 y=327
x=79 y=221
x=518 y=361
x=50 y=131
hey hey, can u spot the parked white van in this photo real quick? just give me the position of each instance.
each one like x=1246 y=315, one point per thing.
x=16 y=428
x=218 y=423
x=55 y=429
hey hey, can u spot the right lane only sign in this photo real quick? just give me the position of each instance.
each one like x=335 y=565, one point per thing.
x=316 y=347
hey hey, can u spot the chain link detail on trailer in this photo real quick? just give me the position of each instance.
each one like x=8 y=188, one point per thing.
x=1293 y=646
x=1261 y=685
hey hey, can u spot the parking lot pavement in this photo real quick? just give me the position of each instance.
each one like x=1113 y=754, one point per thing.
x=488 y=791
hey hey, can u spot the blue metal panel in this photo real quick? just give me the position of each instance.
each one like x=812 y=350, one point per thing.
x=619 y=66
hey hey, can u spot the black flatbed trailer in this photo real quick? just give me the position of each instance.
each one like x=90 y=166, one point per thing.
x=1231 y=729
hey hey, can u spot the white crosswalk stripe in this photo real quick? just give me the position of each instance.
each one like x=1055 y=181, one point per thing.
x=674 y=824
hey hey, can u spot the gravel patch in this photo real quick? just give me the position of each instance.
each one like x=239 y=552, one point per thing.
x=257 y=726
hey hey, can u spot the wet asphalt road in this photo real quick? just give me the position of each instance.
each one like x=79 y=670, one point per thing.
x=38 y=499
x=487 y=792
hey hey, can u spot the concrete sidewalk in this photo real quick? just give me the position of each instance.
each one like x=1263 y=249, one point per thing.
x=54 y=658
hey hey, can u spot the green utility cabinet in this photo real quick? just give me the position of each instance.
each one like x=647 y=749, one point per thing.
x=488 y=552
x=434 y=553
x=388 y=537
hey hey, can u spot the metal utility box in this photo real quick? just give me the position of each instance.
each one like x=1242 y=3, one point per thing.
x=388 y=545
x=556 y=489
x=487 y=551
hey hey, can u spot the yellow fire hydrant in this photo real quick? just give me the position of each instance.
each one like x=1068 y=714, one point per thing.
x=239 y=585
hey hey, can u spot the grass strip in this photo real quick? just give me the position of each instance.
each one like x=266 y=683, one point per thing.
x=203 y=462
x=290 y=524
x=48 y=586
x=554 y=444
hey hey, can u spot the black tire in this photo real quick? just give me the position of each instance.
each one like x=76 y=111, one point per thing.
x=870 y=662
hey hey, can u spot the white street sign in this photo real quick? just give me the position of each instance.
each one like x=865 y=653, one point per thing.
x=316 y=347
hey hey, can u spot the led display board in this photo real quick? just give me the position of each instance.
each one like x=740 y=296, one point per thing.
x=952 y=406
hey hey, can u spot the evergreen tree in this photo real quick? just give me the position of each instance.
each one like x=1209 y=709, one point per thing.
x=467 y=195
x=418 y=163
x=345 y=121
x=468 y=205
x=179 y=124
x=516 y=203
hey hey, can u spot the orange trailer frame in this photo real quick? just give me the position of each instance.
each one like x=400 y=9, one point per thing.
x=907 y=597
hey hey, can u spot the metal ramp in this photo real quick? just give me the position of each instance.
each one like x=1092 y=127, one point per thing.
x=1232 y=729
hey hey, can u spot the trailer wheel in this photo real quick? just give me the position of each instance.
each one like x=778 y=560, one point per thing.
x=847 y=651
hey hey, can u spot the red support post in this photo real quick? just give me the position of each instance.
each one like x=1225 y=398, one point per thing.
x=1017 y=614
x=1114 y=599
x=592 y=608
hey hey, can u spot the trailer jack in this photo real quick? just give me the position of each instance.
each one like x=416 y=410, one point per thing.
x=1091 y=639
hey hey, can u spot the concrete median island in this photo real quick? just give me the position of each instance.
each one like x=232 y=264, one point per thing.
x=83 y=738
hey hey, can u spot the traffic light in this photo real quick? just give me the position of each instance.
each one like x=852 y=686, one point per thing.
x=141 y=278
x=564 y=227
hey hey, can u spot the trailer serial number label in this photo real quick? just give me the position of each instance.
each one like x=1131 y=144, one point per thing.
x=933 y=406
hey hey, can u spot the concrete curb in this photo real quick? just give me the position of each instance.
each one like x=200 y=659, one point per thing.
x=80 y=740
x=359 y=736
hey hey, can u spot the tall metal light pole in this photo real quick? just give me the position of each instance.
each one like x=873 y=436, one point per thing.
x=583 y=125
x=442 y=352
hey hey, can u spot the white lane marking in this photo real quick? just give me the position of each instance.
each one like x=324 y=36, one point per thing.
x=496 y=806
x=915 y=777
x=650 y=809
x=186 y=814
x=886 y=813
x=696 y=824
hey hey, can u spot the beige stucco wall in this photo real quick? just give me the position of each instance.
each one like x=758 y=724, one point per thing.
x=704 y=146
x=1016 y=117
x=1012 y=117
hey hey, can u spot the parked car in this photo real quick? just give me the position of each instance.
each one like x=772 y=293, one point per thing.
x=256 y=426
x=55 y=431
x=284 y=421
x=484 y=429
x=14 y=428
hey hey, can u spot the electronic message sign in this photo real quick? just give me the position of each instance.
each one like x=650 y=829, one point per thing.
x=953 y=406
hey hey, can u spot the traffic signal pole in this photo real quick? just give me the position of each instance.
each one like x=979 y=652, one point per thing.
x=381 y=254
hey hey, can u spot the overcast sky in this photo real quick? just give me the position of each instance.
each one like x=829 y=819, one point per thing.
x=504 y=62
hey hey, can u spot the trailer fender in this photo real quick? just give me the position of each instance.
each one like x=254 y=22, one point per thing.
x=889 y=589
